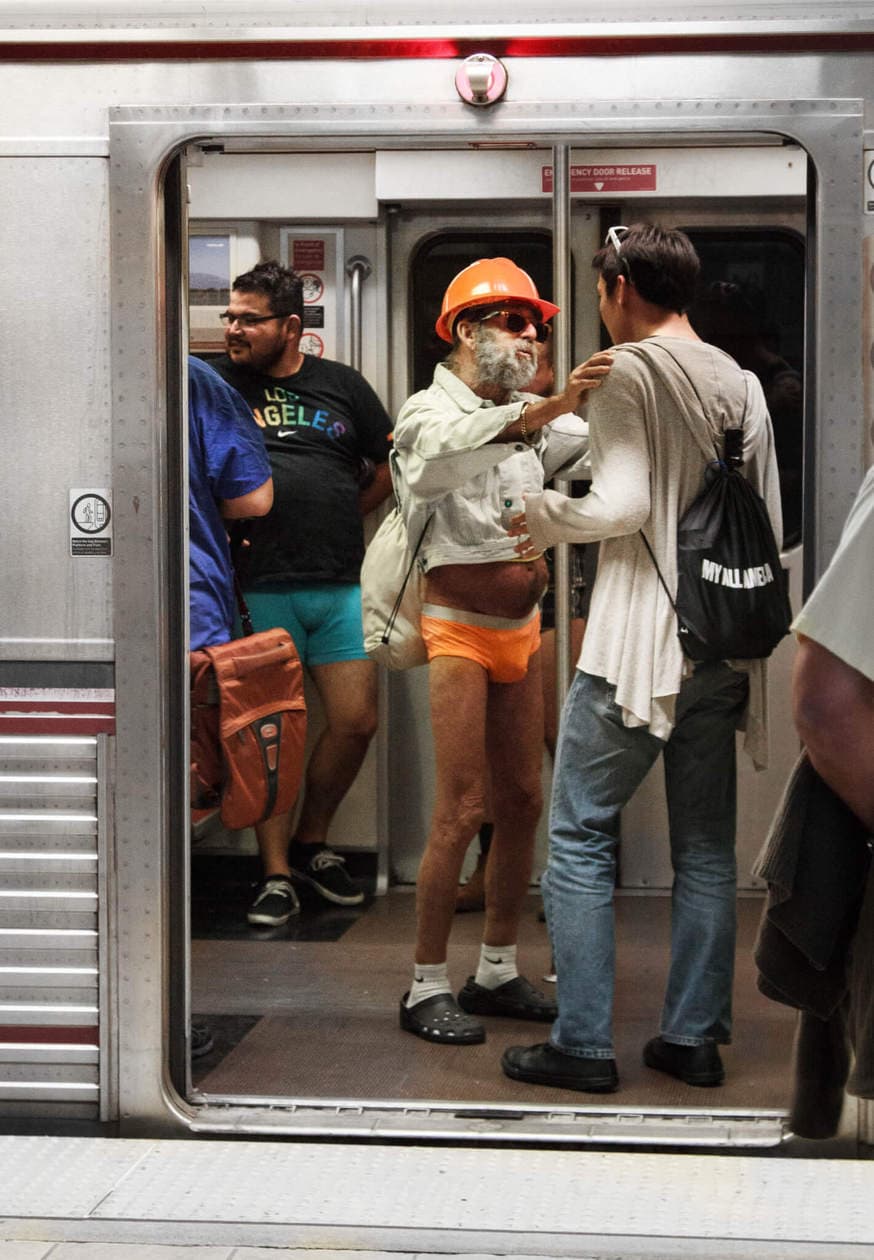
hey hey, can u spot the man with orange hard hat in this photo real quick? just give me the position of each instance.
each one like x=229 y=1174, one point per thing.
x=469 y=448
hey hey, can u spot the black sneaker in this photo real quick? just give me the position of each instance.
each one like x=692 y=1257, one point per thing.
x=696 y=1065
x=201 y=1040
x=326 y=872
x=274 y=904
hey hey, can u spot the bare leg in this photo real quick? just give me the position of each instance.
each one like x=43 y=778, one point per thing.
x=347 y=690
x=515 y=744
x=458 y=691
x=273 y=844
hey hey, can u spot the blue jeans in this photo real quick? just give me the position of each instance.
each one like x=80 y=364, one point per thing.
x=599 y=765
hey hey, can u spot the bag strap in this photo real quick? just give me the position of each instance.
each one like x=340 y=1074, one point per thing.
x=732 y=456
x=661 y=576
x=396 y=606
x=245 y=615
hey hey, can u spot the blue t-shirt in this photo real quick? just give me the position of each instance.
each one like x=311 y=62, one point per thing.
x=226 y=459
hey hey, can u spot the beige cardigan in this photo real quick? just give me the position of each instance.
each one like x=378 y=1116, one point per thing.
x=646 y=470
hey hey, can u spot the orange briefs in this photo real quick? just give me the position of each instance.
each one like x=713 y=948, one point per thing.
x=502 y=645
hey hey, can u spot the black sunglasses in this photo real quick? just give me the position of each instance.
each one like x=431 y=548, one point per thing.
x=514 y=322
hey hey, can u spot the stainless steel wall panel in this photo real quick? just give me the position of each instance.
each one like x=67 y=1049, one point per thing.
x=45 y=830
x=48 y=882
x=49 y=970
x=555 y=86
x=54 y=365
x=19 y=955
x=49 y=796
x=30 y=993
x=58 y=846
x=52 y=1074
x=34 y=1053
x=68 y=1091
x=20 y=756
x=23 y=913
x=294 y=19
x=48 y=1014
x=55 y=1112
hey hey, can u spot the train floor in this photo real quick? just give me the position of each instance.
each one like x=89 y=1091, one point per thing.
x=310 y=1010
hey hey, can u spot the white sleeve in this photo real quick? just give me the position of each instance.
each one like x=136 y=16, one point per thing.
x=839 y=613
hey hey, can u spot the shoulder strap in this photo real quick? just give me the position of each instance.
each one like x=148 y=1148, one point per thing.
x=732 y=452
x=399 y=599
x=396 y=607
x=732 y=455
x=245 y=615
x=671 y=600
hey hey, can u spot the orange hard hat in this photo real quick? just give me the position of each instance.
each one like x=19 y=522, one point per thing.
x=484 y=283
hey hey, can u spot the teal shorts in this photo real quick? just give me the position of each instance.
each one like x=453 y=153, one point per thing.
x=323 y=619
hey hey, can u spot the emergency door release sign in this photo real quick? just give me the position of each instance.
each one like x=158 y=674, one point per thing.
x=91 y=522
x=607 y=178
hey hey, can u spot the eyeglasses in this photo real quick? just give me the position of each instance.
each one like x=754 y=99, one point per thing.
x=514 y=322
x=247 y=321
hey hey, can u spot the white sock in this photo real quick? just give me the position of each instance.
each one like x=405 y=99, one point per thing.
x=429 y=979
x=497 y=965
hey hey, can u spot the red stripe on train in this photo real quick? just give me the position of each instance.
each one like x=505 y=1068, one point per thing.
x=116 y=48
x=48 y=1035
x=62 y=724
x=84 y=707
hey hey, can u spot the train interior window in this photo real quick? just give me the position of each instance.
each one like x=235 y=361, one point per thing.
x=211 y=265
x=751 y=304
x=442 y=257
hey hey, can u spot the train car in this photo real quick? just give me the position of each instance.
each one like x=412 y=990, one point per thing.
x=145 y=160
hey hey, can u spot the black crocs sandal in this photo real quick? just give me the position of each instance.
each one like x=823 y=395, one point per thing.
x=517 y=999
x=440 y=1019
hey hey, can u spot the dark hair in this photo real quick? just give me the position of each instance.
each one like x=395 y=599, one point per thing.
x=280 y=285
x=661 y=263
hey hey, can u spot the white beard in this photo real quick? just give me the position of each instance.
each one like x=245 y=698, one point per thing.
x=499 y=364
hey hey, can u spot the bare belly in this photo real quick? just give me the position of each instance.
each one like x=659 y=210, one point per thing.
x=506 y=588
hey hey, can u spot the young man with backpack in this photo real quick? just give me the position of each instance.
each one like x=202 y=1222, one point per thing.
x=653 y=428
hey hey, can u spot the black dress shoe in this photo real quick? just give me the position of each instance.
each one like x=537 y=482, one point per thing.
x=544 y=1065
x=695 y=1065
x=517 y=999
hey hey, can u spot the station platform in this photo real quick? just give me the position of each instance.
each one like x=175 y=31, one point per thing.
x=215 y=1199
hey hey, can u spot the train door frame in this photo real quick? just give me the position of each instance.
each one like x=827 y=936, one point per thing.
x=147 y=393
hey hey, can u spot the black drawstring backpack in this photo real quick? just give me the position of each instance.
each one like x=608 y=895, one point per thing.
x=732 y=601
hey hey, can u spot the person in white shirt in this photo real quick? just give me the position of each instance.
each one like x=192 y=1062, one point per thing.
x=634 y=695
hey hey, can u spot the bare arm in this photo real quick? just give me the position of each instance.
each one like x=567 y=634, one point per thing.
x=255 y=503
x=377 y=491
x=833 y=707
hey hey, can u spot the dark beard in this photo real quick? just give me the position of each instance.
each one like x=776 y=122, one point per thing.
x=498 y=365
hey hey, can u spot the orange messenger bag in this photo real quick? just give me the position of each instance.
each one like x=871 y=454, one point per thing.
x=248 y=727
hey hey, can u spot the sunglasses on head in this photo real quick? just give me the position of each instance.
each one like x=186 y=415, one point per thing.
x=514 y=322
x=614 y=238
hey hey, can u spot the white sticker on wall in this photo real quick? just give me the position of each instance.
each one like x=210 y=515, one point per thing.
x=91 y=522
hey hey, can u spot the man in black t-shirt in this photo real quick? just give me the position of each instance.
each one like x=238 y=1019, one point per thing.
x=327 y=437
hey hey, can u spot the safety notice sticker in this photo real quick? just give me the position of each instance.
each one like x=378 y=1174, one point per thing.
x=91 y=522
x=610 y=178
